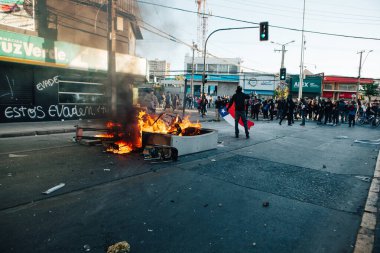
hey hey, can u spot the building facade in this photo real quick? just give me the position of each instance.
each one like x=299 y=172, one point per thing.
x=54 y=65
x=260 y=85
x=222 y=75
x=341 y=87
x=158 y=70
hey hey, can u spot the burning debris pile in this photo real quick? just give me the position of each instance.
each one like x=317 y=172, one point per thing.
x=121 y=139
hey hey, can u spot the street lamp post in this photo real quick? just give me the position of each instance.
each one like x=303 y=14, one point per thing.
x=283 y=50
x=205 y=49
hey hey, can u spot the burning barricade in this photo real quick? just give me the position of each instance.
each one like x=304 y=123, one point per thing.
x=162 y=137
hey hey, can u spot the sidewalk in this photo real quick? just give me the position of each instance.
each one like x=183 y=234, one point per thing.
x=17 y=129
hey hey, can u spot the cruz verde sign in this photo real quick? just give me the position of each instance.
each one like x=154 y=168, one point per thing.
x=23 y=48
x=311 y=84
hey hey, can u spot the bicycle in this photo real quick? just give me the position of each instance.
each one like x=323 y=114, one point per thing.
x=370 y=120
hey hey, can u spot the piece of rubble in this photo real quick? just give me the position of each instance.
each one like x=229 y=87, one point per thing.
x=15 y=156
x=54 y=188
x=120 y=247
x=265 y=204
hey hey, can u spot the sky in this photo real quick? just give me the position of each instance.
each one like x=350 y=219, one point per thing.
x=331 y=55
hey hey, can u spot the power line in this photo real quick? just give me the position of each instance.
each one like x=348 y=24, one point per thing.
x=255 y=23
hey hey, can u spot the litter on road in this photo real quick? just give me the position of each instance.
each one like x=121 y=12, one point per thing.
x=14 y=155
x=54 y=188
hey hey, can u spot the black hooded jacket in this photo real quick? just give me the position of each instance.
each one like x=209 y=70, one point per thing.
x=239 y=99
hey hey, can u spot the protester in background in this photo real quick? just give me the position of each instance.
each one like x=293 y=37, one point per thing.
x=351 y=114
x=328 y=111
x=288 y=111
x=218 y=105
x=335 y=113
x=303 y=111
x=239 y=99
x=168 y=101
x=151 y=102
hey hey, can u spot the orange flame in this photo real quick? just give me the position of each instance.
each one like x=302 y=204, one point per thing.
x=105 y=135
x=122 y=148
x=154 y=125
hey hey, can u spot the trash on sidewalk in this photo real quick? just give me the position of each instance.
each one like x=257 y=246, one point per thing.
x=213 y=160
x=265 y=204
x=363 y=178
x=107 y=169
x=86 y=247
x=120 y=247
x=371 y=142
x=54 y=188
x=341 y=137
x=160 y=152
x=14 y=155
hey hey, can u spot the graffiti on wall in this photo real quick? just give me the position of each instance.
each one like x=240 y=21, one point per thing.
x=53 y=112
x=47 y=83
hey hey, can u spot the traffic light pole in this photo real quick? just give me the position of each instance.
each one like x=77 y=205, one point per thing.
x=205 y=50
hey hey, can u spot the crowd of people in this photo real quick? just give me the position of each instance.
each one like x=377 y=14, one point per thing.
x=323 y=111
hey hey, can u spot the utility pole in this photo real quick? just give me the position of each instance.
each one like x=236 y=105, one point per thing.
x=283 y=50
x=302 y=53
x=192 y=71
x=111 y=46
x=360 y=70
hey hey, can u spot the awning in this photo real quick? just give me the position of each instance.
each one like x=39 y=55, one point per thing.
x=342 y=79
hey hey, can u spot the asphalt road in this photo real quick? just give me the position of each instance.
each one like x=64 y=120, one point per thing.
x=315 y=179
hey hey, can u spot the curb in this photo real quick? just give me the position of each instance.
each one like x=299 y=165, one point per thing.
x=366 y=235
x=34 y=133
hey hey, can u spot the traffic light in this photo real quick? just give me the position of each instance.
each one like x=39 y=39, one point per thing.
x=264 y=35
x=204 y=78
x=282 y=73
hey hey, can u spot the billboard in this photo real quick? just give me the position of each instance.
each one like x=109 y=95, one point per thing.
x=18 y=13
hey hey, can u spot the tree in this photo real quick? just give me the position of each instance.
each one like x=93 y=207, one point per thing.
x=371 y=90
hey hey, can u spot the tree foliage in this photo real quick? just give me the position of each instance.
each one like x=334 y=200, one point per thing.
x=371 y=90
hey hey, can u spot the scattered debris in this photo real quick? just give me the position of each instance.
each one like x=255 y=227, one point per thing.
x=265 y=204
x=160 y=152
x=54 y=188
x=363 y=178
x=213 y=160
x=172 y=201
x=205 y=205
x=120 y=247
x=371 y=142
x=254 y=244
x=86 y=247
x=324 y=166
x=9 y=174
x=107 y=170
x=150 y=230
x=14 y=155
x=220 y=205
x=341 y=137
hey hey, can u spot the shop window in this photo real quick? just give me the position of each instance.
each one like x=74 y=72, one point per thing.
x=329 y=86
x=212 y=68
x=223 y=68
x=75 y=92
x=232 y=69
x=347 y=87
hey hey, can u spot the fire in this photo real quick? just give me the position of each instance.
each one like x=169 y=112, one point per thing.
x=120 y=147
x=176 y=125
x=126 y=140
x=105 y=135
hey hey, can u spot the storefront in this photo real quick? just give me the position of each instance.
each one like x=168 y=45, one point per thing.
x=311 y=87
x=259 y=85
x=340 y=87
x=42 y=79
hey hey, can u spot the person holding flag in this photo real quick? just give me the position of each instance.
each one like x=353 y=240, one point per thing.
x=239 y=98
